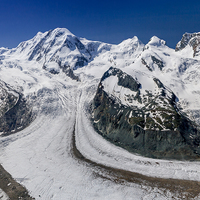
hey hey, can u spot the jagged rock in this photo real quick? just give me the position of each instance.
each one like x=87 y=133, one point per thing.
x=192 y=40
x=15 y=113
x=144 y=63
x=80 y=62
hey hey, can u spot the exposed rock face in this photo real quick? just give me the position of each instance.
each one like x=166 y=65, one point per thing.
x=15 y=114
x=69 y=72
x=147 y=123
x=158 y=62
x=192 y=40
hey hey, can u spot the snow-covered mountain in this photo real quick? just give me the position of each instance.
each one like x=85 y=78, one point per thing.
x=64 y=88
x=57 y=48
x=61 y=52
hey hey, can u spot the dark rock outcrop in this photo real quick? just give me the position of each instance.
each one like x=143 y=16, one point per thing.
x=66 y=69
x=144 y=63
x=154 y=130
x=69 y=72
x=158 y=62
x=15 y=113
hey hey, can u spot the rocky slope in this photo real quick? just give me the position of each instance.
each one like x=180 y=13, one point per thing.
x=190 y=41
x=10 y=187
x=143 y=121
x=15 y=113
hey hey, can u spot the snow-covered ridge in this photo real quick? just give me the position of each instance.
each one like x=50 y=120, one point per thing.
x=146 y=86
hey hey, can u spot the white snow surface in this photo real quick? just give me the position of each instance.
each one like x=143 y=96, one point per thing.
x=40 y=157
x=3 y=195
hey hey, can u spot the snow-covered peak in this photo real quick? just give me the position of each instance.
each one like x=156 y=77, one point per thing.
x=51 y=34
x=129 y=41
x=40 y=35
x=154 y=55
x=54 y=33
x=54 y=49
x=122 y=54
x=155 y=41
x=62 y=31
x=130 y=44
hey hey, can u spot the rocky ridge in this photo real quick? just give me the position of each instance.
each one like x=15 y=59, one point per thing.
x=143 y=121
x=191 y=40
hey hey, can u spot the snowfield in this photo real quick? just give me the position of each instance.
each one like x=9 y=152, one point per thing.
x=41 y=156
x=59 y=155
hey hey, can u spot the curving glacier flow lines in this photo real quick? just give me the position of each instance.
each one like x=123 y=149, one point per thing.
x=59 y=156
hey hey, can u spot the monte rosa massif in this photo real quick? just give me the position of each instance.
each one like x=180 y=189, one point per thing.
x=77 y=115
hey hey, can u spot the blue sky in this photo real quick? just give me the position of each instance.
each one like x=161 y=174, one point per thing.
x=106 y=20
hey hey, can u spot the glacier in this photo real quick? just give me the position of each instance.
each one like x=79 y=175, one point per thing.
x=60 y=155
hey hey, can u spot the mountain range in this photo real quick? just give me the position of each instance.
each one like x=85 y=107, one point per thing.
x=140 y=97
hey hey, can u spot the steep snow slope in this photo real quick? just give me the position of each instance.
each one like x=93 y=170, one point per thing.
x=43 y=156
